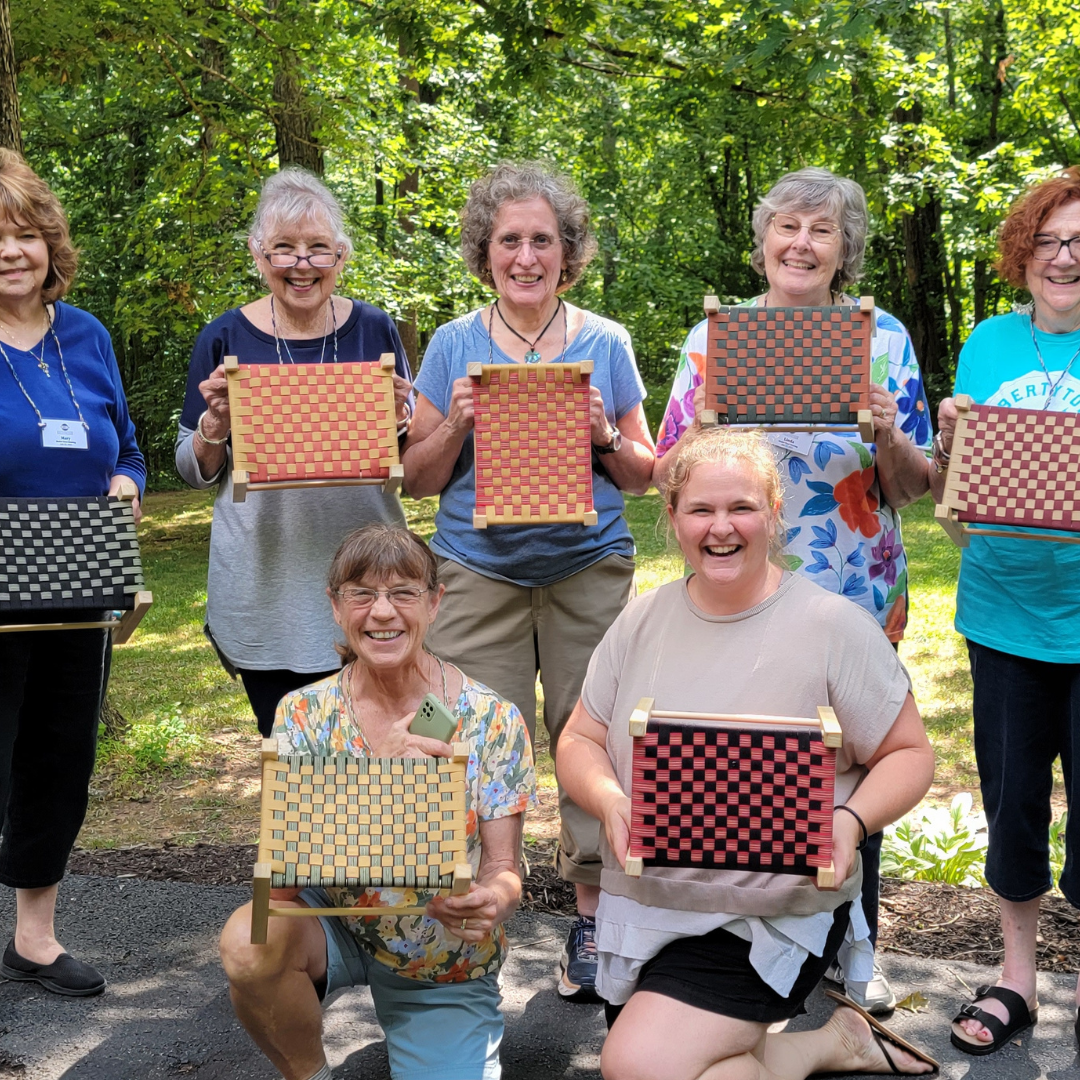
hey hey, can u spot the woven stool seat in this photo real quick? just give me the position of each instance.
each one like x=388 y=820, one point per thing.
x=799 y=368
x=358 y=823
x=1015 y=467
x=59 y=555
x=309 y=425
x=720 y=792
x=533 y=444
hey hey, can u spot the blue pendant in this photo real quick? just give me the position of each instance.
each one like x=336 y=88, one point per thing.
x=532 y=357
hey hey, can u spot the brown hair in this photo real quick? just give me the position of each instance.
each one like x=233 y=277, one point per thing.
x=1016 y=238
x=380 y=552
x=27 y=200
x=732 y=447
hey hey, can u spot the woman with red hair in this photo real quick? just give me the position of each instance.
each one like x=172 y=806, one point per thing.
x=1018 y=606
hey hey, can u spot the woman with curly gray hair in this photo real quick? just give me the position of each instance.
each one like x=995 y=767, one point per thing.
x=533 y=597
x=842 y=497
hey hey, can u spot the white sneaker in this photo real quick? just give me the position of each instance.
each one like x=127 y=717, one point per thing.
x=875 y=996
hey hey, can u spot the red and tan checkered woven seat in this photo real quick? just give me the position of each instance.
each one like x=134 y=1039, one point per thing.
x=302 y=425
x=533 y=447
x=733 y=792
x=1015 y=467
x=796 y=368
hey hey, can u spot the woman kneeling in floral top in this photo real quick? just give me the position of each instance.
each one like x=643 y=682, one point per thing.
x=444 y=964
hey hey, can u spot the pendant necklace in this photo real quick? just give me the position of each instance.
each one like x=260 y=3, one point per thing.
x=279 y=341
x=44 y=367
x=44 y=334
x=1042 y=363
x=532 y=356
x=353 y=712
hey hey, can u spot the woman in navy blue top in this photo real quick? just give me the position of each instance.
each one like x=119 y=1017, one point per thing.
x=266 y=608
x=64 y=431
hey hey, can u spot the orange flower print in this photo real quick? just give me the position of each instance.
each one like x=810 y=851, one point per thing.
x=897 y=620
x=857 y=505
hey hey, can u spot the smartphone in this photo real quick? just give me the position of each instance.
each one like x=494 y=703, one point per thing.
x=434 y=720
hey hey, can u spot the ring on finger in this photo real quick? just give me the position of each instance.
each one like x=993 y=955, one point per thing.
x=464 y=924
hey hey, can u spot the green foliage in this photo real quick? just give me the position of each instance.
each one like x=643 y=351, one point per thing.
x=164 y=743
x=938 y=844
x=156 y=122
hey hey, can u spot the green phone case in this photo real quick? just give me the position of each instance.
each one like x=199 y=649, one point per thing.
x=434 y=720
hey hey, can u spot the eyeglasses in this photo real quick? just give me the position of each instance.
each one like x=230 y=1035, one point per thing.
x=821 y=232
x=541 y=242
x=283 y=260
x=1047 y=248
x=401 y=597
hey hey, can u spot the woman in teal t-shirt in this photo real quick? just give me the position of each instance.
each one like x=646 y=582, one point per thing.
x=1019 y=608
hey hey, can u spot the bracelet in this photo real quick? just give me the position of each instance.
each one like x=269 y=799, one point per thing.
x=862 y=824
x=939 y=456
x=209 y=442
x=403 y=427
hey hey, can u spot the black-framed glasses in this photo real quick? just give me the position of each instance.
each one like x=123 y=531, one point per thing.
x=821 y=232
x=402 y=596
x=1047 y=247
x=283 y=260
x=540 y=242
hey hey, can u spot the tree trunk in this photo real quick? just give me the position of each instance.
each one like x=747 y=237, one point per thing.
x=294 y=117
x=926 y=286
x=10 y=124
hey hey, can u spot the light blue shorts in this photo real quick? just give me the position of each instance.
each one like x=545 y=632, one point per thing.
x=449 y=1031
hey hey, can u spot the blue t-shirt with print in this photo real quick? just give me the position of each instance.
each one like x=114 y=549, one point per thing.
x=530 y=555
x=1019 y=596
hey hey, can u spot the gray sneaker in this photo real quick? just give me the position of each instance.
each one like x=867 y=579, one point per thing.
x=875 y=996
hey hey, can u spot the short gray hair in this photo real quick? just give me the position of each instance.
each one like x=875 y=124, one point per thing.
x=510 y=182
x=818 y=189
x=292 y=196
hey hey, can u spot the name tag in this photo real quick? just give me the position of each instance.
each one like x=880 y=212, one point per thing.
x=797 y=442
x=63 y=435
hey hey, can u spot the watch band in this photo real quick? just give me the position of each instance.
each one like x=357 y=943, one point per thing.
x=613 y=445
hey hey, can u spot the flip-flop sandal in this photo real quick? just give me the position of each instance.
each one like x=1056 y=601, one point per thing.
x=1020 y=1019
x=881 y=1033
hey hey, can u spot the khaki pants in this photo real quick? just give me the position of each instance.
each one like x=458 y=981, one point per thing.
x=502 y=634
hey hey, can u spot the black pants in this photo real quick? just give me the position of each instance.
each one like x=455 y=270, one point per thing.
x=266 y=688
x=52 y=683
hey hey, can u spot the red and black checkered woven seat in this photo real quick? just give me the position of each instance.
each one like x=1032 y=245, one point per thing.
x=793 y=365
x=728 y=797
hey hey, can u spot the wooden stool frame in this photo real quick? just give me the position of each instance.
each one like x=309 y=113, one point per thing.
x=356 y=784
x=533 y=457
x=121 y=628
x=809 y=744
x=313 y=463
x=757 y=372
x=1014 y=467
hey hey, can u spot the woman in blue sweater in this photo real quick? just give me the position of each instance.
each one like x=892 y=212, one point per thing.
x=56 y=365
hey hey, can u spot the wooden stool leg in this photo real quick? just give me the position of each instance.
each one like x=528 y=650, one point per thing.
x=260 y=903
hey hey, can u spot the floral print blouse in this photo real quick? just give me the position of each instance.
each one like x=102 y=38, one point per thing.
x=841 y=533
x=500 y=780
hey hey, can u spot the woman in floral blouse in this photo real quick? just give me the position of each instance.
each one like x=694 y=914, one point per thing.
x=385 y=594
x=840 y=496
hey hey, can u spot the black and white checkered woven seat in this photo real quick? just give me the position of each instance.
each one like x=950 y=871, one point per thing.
x=66 y=554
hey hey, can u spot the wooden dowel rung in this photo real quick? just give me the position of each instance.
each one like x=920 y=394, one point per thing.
x=355 y=912
x=776 y=721
x=1020 y=534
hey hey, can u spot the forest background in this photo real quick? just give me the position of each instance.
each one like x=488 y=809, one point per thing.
x=156 y=120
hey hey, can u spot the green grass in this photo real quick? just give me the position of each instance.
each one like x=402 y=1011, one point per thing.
x=178 y=701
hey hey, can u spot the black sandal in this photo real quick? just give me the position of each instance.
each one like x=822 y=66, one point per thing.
x=1020 y=1019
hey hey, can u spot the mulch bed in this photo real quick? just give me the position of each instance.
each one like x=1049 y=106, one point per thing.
x=926 y=919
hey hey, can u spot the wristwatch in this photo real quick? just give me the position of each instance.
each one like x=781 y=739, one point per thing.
x=613 y=446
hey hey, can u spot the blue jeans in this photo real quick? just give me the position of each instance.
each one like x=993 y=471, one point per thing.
x=1027 y=713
